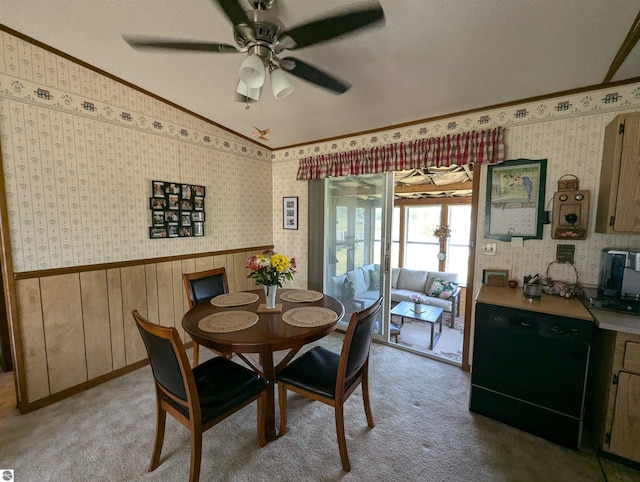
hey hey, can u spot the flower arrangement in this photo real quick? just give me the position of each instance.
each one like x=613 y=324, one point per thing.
x=270 y=268
x=417 y=299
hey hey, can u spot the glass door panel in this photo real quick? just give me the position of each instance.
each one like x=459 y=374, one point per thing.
x=356 y=241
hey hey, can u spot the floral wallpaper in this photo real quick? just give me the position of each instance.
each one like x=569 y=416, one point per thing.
x=568 y=131
x=80 y=150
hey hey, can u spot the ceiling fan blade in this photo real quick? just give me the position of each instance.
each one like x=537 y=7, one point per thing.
x=314 y=75
x=234 y=12
x=168 y=44
x=334 y=26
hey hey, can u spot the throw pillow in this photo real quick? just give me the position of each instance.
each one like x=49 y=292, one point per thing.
x=374 y=276
x=442 y=289
x=348 y=291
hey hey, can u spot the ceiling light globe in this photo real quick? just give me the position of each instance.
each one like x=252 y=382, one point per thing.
x=250 y=92
x=281 y=86
x=252 y=72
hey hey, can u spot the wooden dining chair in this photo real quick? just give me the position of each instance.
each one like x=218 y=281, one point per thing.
x=330 y=378
x=201 y=286
x=200 y=397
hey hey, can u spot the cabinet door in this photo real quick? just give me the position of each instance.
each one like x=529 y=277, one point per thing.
x=626 y=418
x=628 y=199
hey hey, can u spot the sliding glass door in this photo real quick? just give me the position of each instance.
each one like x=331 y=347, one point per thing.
x=357 y=241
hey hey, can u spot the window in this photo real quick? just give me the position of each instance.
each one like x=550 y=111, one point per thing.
x=458 y=243
x=422 y=247
x=414 y=246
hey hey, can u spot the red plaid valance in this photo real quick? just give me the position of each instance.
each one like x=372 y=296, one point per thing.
x=456 y=149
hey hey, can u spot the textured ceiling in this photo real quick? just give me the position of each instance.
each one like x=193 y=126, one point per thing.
x=430 y=58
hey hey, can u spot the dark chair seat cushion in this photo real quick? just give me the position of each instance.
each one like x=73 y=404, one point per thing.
x=316 y=371
x=222 y=385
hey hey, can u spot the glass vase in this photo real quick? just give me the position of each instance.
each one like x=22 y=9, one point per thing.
x=270 y=295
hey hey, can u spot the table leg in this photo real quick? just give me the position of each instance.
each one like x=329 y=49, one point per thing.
x=266 y=360
x=433 y=325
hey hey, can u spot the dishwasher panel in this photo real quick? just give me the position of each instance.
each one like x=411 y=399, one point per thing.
x=529 y=370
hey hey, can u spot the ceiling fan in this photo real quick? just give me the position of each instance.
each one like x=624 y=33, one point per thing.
x=262 y=36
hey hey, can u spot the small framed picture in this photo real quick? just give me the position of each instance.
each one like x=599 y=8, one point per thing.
x=157 y=204
x=187 y=191
x=156 y=233
x=158 y=188
x=172 y=188
x=198 y=203
x=198 y=191
x=185 y=205
x=173 y=201
x=185 y=218
x=198 y=229
x=290 y=212
x=172 y=230
x=186 y=231
x=171 y=216
x=197 y=216
x=495 y=277
x=157 y=219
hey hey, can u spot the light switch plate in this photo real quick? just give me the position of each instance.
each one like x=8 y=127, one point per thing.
x=489 y=248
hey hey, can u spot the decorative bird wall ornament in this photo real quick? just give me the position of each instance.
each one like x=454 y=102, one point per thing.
x=260 y=134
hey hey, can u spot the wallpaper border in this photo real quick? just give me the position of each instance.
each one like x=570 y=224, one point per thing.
x=29 y=92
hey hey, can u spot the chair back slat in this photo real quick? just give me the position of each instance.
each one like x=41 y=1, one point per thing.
x=357 y=342
x=204 y=285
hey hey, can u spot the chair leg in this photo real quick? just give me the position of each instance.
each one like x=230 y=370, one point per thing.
x=196 y=454
x=366 y=400
x=342 y=441
x=161 y=417
x=282 y=403
x=262 y=416
x=196 y=354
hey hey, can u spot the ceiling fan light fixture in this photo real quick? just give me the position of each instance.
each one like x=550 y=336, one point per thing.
x=252 y=72
x=281 y=86
x=250 y=92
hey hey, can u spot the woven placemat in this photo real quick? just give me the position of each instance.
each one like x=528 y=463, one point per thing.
x=301 y=296
x=309 y=316
x=234 y=299
x=228 y=321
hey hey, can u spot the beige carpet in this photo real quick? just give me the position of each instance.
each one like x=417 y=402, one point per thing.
x=424 y=431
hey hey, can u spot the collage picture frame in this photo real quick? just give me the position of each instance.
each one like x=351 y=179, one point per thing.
x=290 y=212
x=177 y=210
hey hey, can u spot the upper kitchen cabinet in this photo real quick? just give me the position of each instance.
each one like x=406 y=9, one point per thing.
x=619 y=194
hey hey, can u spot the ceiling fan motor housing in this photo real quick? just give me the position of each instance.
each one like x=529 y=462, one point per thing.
x=263 y=28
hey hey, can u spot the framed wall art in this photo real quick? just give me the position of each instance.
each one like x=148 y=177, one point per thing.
x=290 y=212
x=495 y=277
x=177 y=210
x=515 y=199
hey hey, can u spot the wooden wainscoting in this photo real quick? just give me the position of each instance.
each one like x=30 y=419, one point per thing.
x=76 y=327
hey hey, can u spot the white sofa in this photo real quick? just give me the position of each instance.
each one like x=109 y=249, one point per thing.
x=405 y=283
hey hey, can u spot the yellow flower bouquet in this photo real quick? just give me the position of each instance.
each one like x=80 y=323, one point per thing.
x=270 y=268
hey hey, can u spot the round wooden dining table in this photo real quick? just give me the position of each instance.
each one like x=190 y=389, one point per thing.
x=268 y=335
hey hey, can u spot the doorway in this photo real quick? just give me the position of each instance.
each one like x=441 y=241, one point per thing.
x=356 y=242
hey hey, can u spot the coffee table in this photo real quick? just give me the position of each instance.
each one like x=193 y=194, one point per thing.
x=431 y=314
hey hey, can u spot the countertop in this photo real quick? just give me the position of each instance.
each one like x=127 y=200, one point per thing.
x=552 y=305
x=616 y=321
